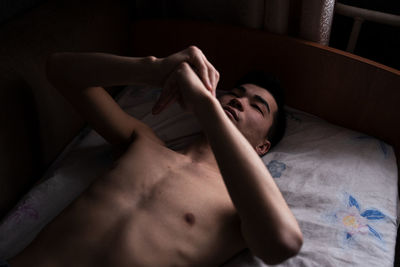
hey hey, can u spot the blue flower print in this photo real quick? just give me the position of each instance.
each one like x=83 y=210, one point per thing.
x=276 y=168
x=354 y=221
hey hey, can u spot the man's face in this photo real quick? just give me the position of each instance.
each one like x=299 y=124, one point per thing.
x=251 y=108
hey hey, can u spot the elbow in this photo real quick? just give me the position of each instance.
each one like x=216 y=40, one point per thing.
x=284 y=248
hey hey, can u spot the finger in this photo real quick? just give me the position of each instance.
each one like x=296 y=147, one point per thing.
x=202 y=71
x=164 y=103
x=169 y=102
x=166 y=95
x=216 y=80
x=197 y=60
x=212 y=74
x=159 y=101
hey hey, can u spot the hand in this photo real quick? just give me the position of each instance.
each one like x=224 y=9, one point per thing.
x=184 y=86
x=208 y=75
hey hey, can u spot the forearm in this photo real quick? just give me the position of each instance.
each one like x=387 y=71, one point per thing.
x=266 y=219
x=80 y=77
x=82 y=70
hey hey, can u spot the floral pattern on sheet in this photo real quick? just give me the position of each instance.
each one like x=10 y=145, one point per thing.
x=355 y=222
x=276 y=168
x=24 y=210
x=382 y=145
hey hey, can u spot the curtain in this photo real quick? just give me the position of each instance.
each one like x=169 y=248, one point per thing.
x=305 y=19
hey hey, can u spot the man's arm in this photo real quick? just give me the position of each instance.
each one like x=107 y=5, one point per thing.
x=80 y=77
x=268 y=226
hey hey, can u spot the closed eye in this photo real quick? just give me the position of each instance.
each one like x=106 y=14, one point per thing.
x=254 y=105
x=258 y=108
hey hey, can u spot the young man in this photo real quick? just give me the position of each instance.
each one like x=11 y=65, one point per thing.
x=195 y=207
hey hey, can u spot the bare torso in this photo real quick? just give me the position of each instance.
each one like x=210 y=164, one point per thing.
x=155 y=207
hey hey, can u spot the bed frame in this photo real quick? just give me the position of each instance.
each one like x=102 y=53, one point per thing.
x=342 y=88
x=338 y=86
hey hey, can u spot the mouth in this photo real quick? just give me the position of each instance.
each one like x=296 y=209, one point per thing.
x=231 y=112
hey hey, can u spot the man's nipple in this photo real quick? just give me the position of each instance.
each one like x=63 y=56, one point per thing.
x=189 y=218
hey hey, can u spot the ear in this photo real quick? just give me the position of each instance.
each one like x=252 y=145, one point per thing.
x=263 y=147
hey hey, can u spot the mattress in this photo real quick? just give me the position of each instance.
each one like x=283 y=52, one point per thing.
x=341 y=185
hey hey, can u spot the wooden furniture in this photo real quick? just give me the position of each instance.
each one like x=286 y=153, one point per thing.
x=340 y=87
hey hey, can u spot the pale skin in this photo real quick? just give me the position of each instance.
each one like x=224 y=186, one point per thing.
x=194 y=207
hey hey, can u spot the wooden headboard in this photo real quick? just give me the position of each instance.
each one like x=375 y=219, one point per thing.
x=340 y=87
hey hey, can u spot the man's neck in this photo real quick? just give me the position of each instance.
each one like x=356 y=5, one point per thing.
x=200 y=152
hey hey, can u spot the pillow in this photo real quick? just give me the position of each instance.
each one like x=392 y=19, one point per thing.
x=341 y=185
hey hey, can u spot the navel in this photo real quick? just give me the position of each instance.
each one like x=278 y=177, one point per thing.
x=189 y=218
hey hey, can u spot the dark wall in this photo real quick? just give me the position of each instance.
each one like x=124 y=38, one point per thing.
x=10 y=9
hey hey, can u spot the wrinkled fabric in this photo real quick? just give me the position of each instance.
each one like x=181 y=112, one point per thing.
x=341 y=186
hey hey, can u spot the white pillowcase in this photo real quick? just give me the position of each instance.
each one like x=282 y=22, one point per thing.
x=341 y=185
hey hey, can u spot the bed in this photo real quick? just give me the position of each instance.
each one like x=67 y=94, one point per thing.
x=339 y=88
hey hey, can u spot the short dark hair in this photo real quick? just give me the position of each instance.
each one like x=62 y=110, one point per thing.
x=272 y=85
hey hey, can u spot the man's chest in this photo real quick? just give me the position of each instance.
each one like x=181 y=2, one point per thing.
x=154 y=175
x=152 y=204
x=168 y=197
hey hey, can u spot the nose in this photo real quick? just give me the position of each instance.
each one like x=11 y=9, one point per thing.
x=236 y=103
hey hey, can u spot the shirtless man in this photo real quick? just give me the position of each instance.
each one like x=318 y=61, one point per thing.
x=195 y=207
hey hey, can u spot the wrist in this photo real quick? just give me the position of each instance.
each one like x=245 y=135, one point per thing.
x=205 y=106
x=151 y=67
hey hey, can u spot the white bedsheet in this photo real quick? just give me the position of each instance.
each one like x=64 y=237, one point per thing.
x=341 y=185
